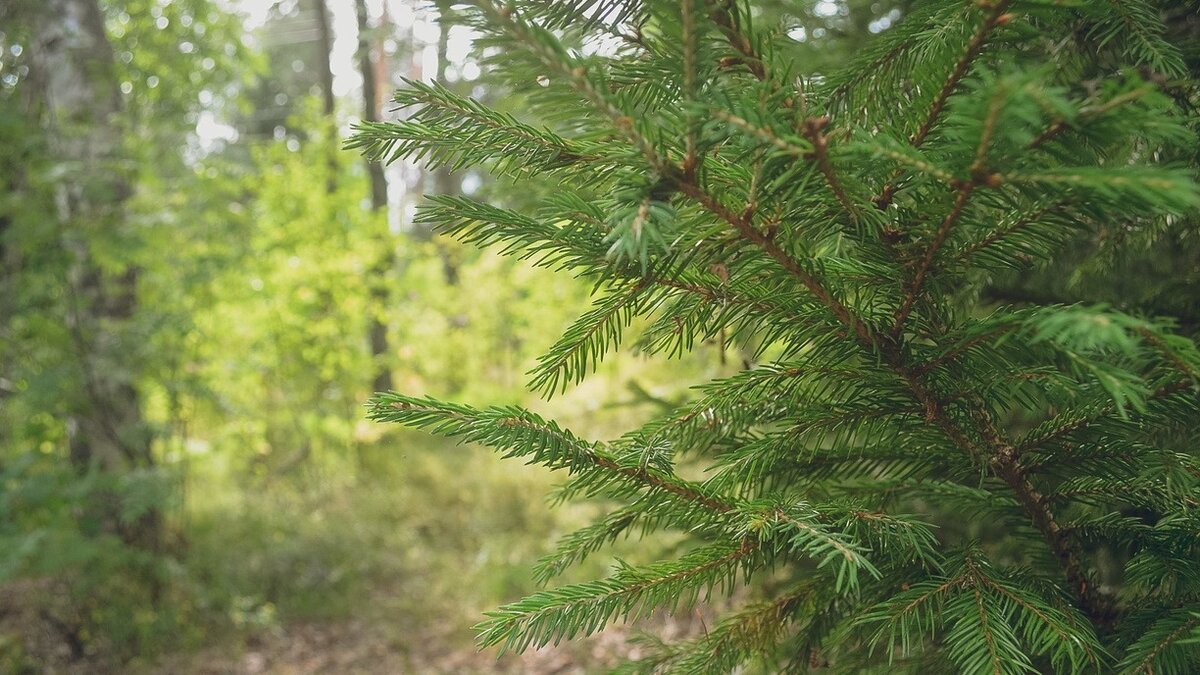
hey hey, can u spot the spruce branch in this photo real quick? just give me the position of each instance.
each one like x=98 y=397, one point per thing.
x=999 y=454
x=939 y=238
x=1003 y=460
x=1063 y=425
x=556 y=240
x=965 y=346
x=800 y=526
x=1139 y=24
x=1148 y=189
x=905 y=156
x=745 y=227
x=547 y=48
x=749 y=633
x=1020 y=223
x=519 y=433
x=578 y=545
x=1157 y=650
x=549 y=616
x=814 y=130
x=441 y=123
x=991 y=621
x=979 y=177
x=1170 y=355
x=728 y=20
x=1086 y=114
x=787 y=145
x=587 y=14
x=995 y=15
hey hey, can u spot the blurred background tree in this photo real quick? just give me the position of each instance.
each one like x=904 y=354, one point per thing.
x=199 y=291
x=187 y=336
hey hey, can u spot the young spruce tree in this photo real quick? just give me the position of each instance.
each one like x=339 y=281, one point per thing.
x=928 y=483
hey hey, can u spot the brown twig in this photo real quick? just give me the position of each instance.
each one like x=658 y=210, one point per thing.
x=745 y=227
x=996 y=16
x=943 y=231
x=814 y=131
x=1060 y=125
x=1070 y=427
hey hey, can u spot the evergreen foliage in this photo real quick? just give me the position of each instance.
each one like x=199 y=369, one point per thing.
x=928 y=482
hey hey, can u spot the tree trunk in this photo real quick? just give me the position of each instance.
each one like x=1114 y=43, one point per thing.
x=325 y=42
x=75 y=91
x=445 y=182
x=381 y=272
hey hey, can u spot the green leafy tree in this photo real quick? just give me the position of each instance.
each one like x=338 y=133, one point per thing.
x=842 y=226
x=94 y=141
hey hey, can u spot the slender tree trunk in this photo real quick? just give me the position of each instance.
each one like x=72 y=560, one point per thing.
x=444 y=182
x=328 y=103
x=381 y=272
x=75 y=89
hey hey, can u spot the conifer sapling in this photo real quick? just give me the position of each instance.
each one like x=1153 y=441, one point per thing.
x=909 y=479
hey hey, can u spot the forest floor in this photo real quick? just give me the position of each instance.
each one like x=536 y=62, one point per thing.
x=356 y=647
x=351 y=647
x=338 y=576
x=365 y=648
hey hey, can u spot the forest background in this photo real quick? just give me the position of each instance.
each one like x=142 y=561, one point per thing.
x=242 y=284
